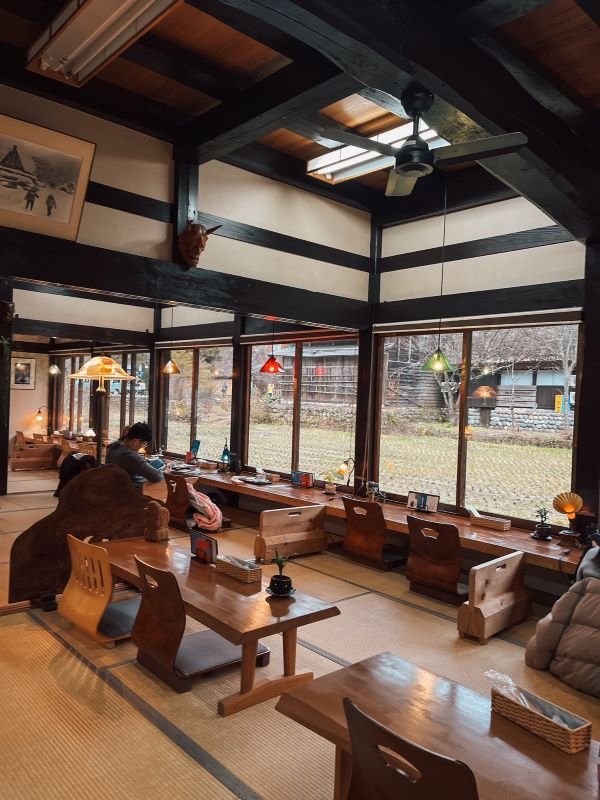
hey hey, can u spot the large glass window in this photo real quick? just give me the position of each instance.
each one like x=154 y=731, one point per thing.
x=179 y=404
x=141 y=388
x=328 y=408
x=213 y=403
x=271 y=409
x=520 y=424
x=419 y=417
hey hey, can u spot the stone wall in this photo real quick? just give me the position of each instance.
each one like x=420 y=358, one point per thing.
x=532 y=419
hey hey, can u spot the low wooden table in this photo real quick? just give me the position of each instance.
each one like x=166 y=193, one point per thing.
x=549 y=555
x=509 y=763
x=240 y=612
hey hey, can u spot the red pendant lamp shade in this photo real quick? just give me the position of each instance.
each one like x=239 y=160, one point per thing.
x=272 y=366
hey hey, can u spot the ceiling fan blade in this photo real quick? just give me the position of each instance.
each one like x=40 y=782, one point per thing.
x=479 y=149
x=399 y=185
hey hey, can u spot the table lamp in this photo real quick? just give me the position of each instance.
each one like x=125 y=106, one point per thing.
x=570 y=504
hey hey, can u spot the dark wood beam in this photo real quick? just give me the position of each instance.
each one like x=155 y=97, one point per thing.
x=185 y=67
x=40 y=11
x=591 y=8
x=30 y=347
x=270 y=163
x=546 y=88
x=67 y=330
x=186 y=199
x=105 y=100
x=486 y=15
x=321 y=129
x=6 y=333
x=386 y=45
x=269 y=35
x=292 y=91
x=26 y=256
x=467 y=188
x=188 y=333
x=586 y=472
x=45 y=288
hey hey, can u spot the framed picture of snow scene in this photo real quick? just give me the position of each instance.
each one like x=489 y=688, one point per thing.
x=43 y=178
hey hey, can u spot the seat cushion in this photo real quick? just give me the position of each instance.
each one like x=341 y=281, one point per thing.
x=206 y=650
x=119 y=617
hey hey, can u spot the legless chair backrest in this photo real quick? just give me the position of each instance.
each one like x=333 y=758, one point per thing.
x=387 y=767
x=20 y=437
x=38 y=437
x=365 y=528
x=160 y=623
x=88 y=592
x=434 y=554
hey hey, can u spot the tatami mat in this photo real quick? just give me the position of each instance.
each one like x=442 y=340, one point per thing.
x=371 y=624
x=67 y=735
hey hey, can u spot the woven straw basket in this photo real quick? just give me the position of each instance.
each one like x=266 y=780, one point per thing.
x=570 y=740
x=239 y=573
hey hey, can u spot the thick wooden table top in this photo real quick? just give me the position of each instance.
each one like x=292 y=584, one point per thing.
x=549 y=555
x=237 y=611
x=509 y=763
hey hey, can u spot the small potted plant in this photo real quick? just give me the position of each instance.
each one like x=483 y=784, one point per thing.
x=542 y=529
x=329 y=478
x=280 y=584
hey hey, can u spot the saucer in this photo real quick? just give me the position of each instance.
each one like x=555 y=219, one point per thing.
x=269 y=591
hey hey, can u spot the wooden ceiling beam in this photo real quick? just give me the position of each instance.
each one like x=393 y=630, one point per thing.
x=591 y=8
x=269 y=35
x=487 y=15
x=98 y=97
x=270 y=163
x=291 y=91
x=386 y=45
x=185 y=67
x=546 y=88
x=320 y=128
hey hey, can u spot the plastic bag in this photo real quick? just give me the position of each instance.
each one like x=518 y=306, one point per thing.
x=506 y=686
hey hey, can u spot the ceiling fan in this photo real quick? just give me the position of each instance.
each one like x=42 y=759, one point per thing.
x=415 y=160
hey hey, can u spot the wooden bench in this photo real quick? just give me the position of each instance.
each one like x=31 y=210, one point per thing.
x=33 y=455
x=290 y=532
x=497 y=598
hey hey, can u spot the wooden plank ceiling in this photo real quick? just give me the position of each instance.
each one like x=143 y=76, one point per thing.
x=233 y=79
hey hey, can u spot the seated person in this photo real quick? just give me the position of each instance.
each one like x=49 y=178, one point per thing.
x=73 y=464
x=124 y=453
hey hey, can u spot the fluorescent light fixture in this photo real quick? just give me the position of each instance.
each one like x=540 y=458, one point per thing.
x=87 y=34
x=348 y=162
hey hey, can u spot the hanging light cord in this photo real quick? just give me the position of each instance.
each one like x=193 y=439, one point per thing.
x=443 y=260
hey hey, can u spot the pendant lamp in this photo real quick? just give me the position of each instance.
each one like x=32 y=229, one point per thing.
x=171 y=368
x=437 y=361
x=101 y=368
x=54 y=369
x=271 y=365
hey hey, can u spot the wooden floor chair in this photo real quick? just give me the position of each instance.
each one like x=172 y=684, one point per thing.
x=290 y=532
x=159 y=631
x=178 y=499
x=433 y=565
x=39 y=437
x=365 y=535
x=387 y=767
x=28 y=454
x=497 y=598
x=87 y=601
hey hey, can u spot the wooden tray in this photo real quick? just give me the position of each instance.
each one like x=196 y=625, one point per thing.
x=570 y=740
x=239 y=573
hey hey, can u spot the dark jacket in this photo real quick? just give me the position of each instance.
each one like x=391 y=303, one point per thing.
x=133 y=463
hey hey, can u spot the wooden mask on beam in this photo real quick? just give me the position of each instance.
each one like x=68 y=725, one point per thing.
x=192 y=241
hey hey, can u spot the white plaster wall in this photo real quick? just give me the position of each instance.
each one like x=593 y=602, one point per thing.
x=250 y=261
x=494 y=219
x=537 y=265
x=124 y=158
x=128 y=233
x=186 y=315
x=242 y=196
x=81 y=311
x=24 y=403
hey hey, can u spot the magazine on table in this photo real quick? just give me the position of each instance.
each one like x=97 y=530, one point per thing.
x=204 y=547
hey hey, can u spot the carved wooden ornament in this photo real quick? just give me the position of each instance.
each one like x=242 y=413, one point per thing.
x=192 y=241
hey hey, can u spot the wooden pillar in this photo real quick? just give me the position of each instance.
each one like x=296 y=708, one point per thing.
x=240 y=391
x=6 y=324
x=463 y=417
x=154 y=418
x=586 y=460
x=297 y=406
x=186 y=199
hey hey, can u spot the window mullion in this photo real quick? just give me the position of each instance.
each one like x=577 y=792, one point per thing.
x=463 y=411
x=297 y=400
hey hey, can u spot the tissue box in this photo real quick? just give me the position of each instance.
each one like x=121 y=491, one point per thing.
x=571 y=740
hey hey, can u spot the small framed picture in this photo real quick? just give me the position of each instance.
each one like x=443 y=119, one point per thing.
x=22 y=373
x=421 y=501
